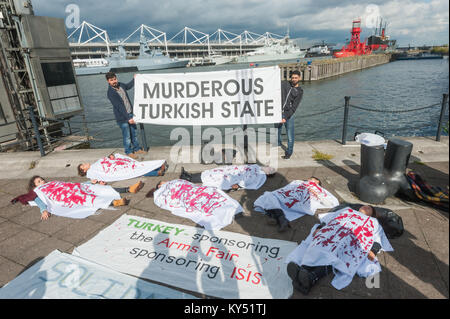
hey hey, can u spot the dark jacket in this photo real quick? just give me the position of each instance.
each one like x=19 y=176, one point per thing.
x=120 y=111
x=290 y=98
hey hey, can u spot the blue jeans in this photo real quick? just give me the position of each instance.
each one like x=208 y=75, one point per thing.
x=153 y=173
x=130 y=142
x=290 y=134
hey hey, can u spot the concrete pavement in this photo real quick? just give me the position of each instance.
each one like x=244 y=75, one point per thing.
x=418 y=268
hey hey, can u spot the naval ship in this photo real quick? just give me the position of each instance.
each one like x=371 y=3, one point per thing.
x=284 y=50
x=118 y=62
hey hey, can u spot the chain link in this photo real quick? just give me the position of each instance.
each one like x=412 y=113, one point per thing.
x=399 y=111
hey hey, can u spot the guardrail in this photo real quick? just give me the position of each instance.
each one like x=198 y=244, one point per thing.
x=32 y=139
x=347 y=106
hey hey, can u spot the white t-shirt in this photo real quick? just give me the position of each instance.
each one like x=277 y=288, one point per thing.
x=297 y=199
x=246 y=176
x=344 y=243
x=120 y=168
x=75 y=200
x=207 y=206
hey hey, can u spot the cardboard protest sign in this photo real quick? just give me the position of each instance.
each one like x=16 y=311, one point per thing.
x=216 y=263
x=63 y=276
x=233 y=97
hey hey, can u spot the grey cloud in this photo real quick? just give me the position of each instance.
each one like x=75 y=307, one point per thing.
x=304 y=17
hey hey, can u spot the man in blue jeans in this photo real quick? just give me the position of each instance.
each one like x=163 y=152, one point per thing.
x=291 y=96
x=123 y=111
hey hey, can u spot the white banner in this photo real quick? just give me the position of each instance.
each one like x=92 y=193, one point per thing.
x=120 y=168
x=63 y=276
x=220 y=264
x=233 y=97
x=75 y=200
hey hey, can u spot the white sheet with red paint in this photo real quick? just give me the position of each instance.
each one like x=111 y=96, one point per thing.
x=344 y=243
x=297 y=199
x=120 y=168
x=246 y=176
x=207 y=206
x=75 y=200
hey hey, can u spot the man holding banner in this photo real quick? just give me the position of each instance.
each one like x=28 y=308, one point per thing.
x=123 y=112
x=292 y=95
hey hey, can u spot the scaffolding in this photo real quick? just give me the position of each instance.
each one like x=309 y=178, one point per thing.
x=83 y=32
x=16 y=73
x=37 y=81
x=150 y=35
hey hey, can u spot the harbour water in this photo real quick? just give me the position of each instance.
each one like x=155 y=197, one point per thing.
x=396 y=86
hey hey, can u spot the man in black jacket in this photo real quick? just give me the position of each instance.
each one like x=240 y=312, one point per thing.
x=123 y=111
x=291 y=96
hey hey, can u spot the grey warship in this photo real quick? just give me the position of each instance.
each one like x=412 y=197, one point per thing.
x=118 y=62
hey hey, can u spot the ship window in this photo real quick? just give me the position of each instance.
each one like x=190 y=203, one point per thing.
x=60 y=73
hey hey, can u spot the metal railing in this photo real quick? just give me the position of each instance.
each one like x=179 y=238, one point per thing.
x=37 y=140
x=347 y=106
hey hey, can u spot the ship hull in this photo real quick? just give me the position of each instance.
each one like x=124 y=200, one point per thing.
x=129 y=67
x=264 y=58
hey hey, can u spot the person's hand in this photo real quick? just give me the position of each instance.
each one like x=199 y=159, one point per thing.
x=283 y=121
x=134 y=76
x=131 y=121
x=371 y=256
x=235 y=187
x=102 y=183
x=45 y=215
x=94 y=181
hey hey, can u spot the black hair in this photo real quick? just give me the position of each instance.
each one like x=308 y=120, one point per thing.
x=320 y=182
x=110 y=75
x=151 y=192
x=296 y=72
x=80 y=171
x=31 y=184
x=374 y=211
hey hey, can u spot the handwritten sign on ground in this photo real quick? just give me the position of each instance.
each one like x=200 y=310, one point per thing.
x=232 y=97
x=216 y=263
x=63 y=276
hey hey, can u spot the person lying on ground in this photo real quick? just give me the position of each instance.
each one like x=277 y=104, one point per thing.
x=231 y=176
x=207 y=206
x=116 y=167
x=294 y=201
x=346 y=242
x=61 y=195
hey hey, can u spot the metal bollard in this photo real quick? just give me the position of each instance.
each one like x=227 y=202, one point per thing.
x=144 y=139
x=36 y=130
x=441 y=118
x=344 y=127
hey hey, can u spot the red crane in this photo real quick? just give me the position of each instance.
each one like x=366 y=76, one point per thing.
x=355 y=47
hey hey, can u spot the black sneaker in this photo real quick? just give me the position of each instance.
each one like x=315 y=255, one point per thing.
x=304 y=281
x=286 y=157
x=299 y=280
x=283 y=223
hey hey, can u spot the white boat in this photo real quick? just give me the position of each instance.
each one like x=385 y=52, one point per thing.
x=283 y=50
x=319 y=50
x=218 y=58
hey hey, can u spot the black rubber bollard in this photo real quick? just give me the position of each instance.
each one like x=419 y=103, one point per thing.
x=371 y=187
x=396 y=161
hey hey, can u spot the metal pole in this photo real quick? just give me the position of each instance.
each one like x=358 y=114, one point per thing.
x=36 y=130
x=244 y=128
x=144 y=139
x=344 y=127
x=441 y=118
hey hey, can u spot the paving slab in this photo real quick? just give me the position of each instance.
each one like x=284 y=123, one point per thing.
x=418 y=268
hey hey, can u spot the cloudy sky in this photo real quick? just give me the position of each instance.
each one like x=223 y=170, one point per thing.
x=414 y=22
